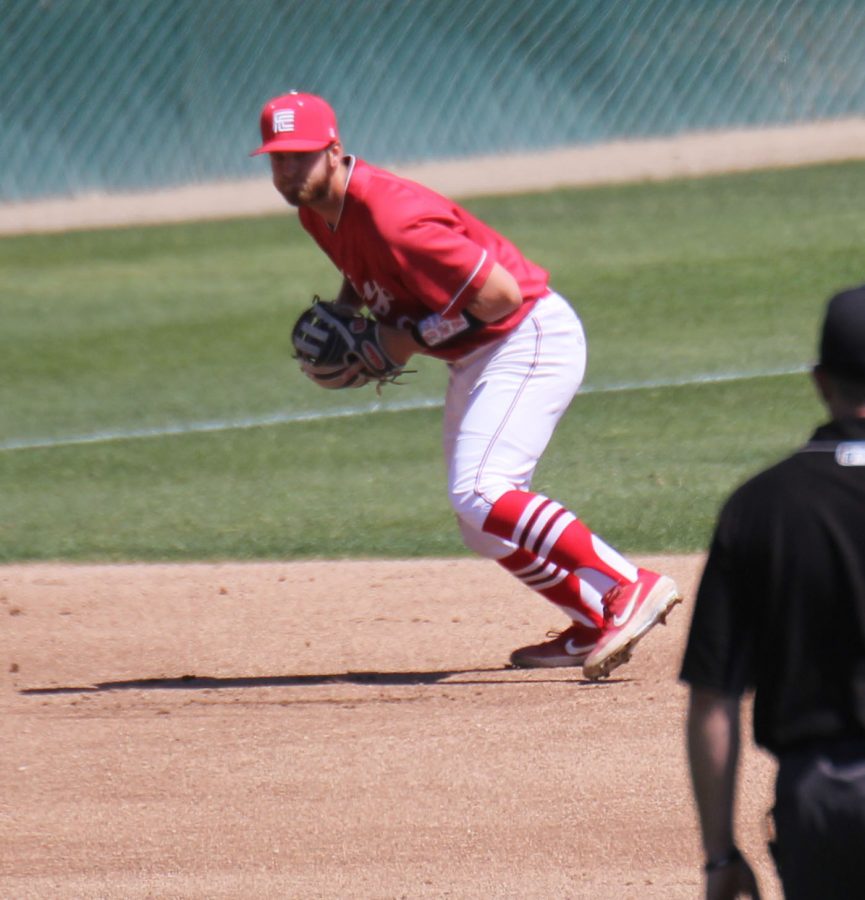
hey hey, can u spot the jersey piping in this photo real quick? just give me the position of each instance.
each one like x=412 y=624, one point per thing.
x=467 y=282
x=351 y=161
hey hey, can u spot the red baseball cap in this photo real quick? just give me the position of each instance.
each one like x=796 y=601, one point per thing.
x=296 y=123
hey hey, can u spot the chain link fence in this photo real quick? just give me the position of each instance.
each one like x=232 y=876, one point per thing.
x=107 y=95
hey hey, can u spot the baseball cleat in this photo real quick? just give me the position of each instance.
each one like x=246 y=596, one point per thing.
x=630 y=610
x=570 y=648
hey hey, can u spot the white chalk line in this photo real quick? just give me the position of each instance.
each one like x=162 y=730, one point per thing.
x=287 y=418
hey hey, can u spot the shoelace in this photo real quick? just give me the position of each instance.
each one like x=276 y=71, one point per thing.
x=611 y=601
x=552 y=633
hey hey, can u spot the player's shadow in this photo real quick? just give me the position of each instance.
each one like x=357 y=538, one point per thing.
x=391 y=679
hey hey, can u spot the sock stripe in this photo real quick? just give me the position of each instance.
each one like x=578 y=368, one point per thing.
x=538 y=584
x=541 y=514
x=547 y=571
x=536 y=567
x=540 y=575
x=532 y=508
x=541 y=525
x=555 y=532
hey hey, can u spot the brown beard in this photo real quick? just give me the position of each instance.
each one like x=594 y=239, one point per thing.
x=306 y=194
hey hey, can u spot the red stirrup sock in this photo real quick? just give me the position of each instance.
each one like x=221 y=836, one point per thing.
x=556 y=584
x=546 y=529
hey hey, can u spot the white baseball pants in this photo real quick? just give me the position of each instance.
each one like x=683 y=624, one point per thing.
x=503 y=403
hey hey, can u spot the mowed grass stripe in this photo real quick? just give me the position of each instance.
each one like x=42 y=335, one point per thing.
x=646 y=469
x=410 y=405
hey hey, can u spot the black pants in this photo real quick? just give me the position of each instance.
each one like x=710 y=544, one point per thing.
x=820 y=822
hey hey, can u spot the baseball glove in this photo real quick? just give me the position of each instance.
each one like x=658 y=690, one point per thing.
x=339 y=348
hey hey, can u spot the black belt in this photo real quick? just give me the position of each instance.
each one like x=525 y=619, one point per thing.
x=839 y=749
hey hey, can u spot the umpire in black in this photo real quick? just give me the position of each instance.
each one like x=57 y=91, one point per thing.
x=781 y=610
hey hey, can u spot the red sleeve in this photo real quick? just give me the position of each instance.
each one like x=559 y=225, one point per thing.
x=439 y=263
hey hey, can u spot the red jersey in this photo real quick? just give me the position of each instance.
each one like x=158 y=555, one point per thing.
x=408 y=251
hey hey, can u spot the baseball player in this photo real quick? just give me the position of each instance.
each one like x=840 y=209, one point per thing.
x=442 y=283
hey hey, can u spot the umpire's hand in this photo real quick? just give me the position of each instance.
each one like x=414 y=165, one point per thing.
x=735 y=880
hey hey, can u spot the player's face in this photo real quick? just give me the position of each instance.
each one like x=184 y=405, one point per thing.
x=302 y=178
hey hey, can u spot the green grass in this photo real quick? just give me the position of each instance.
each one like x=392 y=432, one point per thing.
x=646 y=469
x=154 y=327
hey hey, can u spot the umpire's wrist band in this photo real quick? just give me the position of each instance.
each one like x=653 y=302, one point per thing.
x=721 y=862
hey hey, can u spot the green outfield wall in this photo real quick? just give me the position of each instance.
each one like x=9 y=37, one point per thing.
x=113 y=95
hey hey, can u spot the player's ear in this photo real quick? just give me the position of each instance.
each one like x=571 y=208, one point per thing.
x=826 y=387
x=819 y=377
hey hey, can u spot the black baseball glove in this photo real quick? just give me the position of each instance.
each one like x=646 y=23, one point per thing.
x=339 y=348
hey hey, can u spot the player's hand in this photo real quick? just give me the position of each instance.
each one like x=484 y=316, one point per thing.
x=343 y=375
x=398 y=343
x=735 y=880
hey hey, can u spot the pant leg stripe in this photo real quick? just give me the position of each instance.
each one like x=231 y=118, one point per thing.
x=513 y=404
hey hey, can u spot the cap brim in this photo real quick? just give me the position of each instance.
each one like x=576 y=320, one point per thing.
x=289 y=145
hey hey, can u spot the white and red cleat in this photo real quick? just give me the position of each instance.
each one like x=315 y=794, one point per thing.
x=630 y=610
x=570 y=648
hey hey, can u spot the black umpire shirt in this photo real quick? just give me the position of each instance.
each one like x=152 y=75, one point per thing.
x=781 y=604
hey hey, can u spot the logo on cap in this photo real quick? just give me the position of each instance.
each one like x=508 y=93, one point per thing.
x=283 y=120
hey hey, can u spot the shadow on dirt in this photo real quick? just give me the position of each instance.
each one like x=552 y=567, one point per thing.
x=196 y=682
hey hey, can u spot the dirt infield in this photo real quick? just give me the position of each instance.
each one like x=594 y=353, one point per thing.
x=332 y=730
